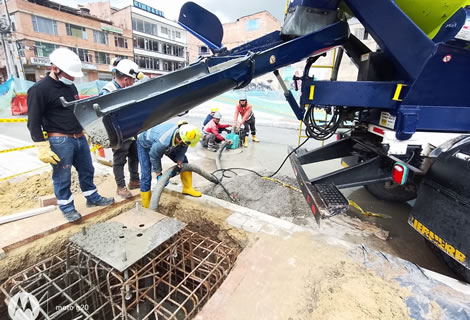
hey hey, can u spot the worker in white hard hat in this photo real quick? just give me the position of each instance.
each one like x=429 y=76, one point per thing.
x=210 y=116
x=125 y=74
x=65 y=145
x=211 y=132
x=170 y=140
x=245 y=110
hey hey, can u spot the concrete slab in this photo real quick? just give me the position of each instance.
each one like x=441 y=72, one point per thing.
x=125 y=239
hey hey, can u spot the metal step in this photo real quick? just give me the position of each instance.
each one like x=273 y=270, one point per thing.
x=332 y=202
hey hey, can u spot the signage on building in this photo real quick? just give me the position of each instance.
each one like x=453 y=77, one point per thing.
x=41 y=61
x=89 y=66
x=147 y=8
x=107 y=27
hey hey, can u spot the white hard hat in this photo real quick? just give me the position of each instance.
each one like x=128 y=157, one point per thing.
x=242 y=96
x=217 y=115
x=67 y=61
x=127 y=67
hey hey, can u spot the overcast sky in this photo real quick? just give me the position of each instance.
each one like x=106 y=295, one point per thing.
x=227 y=11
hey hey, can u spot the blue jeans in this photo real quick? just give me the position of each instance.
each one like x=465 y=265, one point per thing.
x=72 y=152
x=146 y=166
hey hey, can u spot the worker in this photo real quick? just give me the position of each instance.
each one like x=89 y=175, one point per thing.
x=211 y=132
x=210 y=116
x=66 y=145
x=245 y=110
x=125 y=74
x=170 y=140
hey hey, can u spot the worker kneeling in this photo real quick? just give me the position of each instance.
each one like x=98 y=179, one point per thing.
x=212 y=137
x=170 y=140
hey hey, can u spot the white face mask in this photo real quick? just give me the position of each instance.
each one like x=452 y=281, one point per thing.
x=66 y=81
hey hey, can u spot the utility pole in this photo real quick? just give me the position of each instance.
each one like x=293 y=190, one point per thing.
x=14 y=64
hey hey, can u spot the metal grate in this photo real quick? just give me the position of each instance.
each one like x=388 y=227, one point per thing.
x=171 y=282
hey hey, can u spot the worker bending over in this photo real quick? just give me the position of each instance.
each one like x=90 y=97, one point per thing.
x=211 y=133
x=170 y=140
x=245 y=110
x=125 y=73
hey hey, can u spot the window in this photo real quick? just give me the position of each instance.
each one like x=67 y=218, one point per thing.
x=203 y=51
x=150 y=28
x=252 y=25
x=75 y=31
x=164 y=30
x=102 y=58
x=147 y=62
x=44 y=25
x=120 y=42
x=100 y=37
x=118 y=56
x=178 y=34
x=139 y=43
x=169 y=65
x=42 y=49
x=83 y=54
x=138 y=25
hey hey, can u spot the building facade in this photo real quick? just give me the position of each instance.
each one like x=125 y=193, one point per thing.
x=39 y=28
x=236 y=33
x=159 y=44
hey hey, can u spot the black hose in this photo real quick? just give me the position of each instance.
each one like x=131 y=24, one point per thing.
x=158 y=189
x=222 y=146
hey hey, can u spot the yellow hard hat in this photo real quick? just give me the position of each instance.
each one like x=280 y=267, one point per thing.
x=190 y=134
x=214 y=109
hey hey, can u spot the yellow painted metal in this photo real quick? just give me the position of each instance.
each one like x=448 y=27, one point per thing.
x=396 y=96
x=429 y=15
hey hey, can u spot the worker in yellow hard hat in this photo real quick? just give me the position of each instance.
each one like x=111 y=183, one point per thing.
x=170 y=140
x=210 y=116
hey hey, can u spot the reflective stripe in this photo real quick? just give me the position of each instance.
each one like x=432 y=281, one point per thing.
x=89 y=193
x=165 y=135
x=64 y=202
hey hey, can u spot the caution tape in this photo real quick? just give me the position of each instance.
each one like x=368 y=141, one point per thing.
x=283 y=184
x=366 y=213
x=17 y=149
x=13 y=120
x=19 y=174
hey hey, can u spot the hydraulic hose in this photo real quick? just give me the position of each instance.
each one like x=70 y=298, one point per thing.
x=222 y=147
x=158 y=189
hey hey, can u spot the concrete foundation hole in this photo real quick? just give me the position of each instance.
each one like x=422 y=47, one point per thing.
x=173 y=281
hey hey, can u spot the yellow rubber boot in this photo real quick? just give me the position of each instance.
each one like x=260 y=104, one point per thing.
x=245 y=144
x=187 y=179
x=146 y=198
x=254 y=139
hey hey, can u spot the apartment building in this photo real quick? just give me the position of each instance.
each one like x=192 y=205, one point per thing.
x=236 y=33
x=159 y=43
x=40 y=26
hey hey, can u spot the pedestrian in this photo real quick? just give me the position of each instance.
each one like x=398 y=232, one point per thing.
x=66 y=145
x=210 y=116
x=170 y=140
x=245 y=110
x=211 y=132
x=125 y=74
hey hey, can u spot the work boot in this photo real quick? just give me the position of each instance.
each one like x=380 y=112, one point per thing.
x=187 y=180
x=124 y=192
x=72 y=215
x=134 y=184
x=145 y=195
x=245 y=144
x=253 y=137
x=101 y=203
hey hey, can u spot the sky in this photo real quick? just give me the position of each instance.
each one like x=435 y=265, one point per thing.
x=226 y=11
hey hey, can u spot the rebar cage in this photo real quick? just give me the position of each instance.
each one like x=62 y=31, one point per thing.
x=172 y=282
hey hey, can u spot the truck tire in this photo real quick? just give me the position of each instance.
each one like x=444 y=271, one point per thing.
x=456 y=267
x=390 y=191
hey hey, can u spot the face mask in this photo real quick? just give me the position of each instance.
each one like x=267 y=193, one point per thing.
x=66 y=81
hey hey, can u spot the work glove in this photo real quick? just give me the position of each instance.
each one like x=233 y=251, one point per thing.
x=46 y=155
x=159 y=177
x=176 y=171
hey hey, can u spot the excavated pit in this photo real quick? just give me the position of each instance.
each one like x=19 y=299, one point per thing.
x=175 y=287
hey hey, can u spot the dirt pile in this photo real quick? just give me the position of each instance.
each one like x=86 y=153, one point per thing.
x=263 y=195
x=23 y=193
